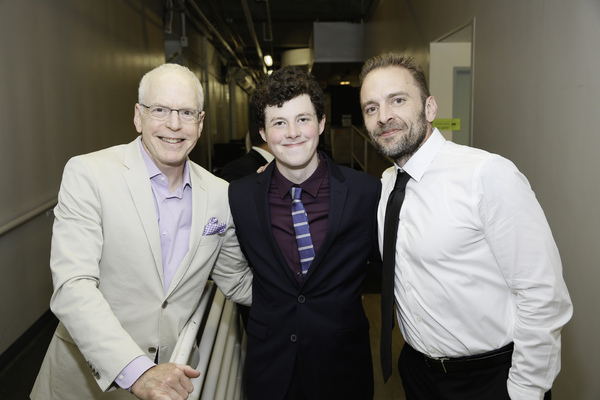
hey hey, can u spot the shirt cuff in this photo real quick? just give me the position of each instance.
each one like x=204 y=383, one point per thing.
x=133 y=371
x=516 y=392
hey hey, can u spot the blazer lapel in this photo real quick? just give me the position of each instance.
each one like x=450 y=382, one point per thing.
x=261 y=199
x=136 y=176
x=337 y=200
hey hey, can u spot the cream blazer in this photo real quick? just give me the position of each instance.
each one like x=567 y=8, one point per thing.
x=108 y=276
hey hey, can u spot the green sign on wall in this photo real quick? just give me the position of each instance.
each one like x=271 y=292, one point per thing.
x=447 y=124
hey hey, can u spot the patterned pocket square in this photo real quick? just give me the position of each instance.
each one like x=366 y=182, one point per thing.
x=214 y=227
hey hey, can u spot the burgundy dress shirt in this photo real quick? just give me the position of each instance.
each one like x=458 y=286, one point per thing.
x=315 y=197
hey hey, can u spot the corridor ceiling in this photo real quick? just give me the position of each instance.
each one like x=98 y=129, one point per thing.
x=254 y=28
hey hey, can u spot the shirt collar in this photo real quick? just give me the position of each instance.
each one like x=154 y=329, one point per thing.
x=418 y=163
x=268 y=156
x=310 y=185
x=153 y=170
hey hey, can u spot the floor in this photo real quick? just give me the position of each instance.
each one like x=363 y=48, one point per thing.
x=392 y=390
x=18 y=377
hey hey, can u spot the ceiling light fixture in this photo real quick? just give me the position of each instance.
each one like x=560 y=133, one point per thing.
x=268 y=60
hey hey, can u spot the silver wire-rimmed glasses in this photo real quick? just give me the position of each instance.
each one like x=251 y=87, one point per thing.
x=162 y=113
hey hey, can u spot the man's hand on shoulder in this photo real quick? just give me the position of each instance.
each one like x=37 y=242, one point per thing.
x=164 y=382
x=261 y=169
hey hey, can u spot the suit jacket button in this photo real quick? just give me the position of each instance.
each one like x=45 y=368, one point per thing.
x=293 y=338
x=152 y=350
x=165 y=304
x=301 y=299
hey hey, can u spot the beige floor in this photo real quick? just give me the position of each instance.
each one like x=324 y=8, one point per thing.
x=392 y=390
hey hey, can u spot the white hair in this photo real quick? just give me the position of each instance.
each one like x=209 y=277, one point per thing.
x=165 y=69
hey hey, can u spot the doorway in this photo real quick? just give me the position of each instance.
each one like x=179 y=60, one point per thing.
x=451 y=83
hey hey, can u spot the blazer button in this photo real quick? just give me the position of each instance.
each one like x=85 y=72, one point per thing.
x=165 y=304
x=301 y=299
x=152 y=350
x=293 y=338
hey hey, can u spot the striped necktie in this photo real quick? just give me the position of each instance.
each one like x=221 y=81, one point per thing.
x=305 y=246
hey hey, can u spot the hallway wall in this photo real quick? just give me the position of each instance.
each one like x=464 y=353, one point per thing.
x=68 y=83
x=536 y=96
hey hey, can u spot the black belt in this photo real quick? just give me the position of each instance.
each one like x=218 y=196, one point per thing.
x=470 y=363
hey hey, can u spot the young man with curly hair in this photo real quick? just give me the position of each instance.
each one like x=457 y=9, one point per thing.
x=308 y=336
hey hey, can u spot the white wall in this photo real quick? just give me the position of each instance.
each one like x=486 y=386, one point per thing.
x=444 y=58
x=536 y=97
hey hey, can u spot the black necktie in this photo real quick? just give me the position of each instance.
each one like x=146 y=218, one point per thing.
x=389 y=264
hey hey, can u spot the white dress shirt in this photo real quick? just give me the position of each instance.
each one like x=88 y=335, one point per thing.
x=266 y=155
x=476 y=264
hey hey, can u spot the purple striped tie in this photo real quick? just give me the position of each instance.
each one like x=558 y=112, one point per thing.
x=305 y=246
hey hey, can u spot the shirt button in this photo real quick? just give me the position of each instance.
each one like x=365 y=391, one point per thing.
x=403 y=254
x=121 y=377
x=301 y=299
x=293 y=338
x=419 y=319
x=403 y=223
x=164 y=233
x=408 y=287
x=162 y=178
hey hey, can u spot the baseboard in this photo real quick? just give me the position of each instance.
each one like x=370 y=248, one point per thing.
x=13 y=351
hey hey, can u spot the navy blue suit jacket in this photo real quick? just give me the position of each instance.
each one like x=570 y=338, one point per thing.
x=243 y=166
x=322 y=322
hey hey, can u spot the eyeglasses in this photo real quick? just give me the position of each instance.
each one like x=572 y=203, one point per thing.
x=162 y=113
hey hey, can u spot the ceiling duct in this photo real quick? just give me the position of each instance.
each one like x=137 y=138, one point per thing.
x=338 y=42
x=299 y=57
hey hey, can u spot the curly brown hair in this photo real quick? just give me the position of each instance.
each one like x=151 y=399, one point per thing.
x=284 y=85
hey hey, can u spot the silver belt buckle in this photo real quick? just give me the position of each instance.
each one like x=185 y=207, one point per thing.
x=442 y=359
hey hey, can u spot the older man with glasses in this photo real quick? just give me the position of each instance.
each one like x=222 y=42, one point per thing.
x=138 y=230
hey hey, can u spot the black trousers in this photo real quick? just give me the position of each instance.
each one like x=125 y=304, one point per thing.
x=423 y=383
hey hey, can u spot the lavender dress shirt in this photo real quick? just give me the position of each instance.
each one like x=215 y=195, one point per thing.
x=174 y=212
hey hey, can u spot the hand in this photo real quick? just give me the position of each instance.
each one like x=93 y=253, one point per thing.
x=261 y=169
x=165 y=382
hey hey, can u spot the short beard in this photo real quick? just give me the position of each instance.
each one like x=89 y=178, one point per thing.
x=407 y=145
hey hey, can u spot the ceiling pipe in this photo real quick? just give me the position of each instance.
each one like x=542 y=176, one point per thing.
x=269 y=26
x=211 y=32
x=253 y=34
x=210 y=28
x=269 y=29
